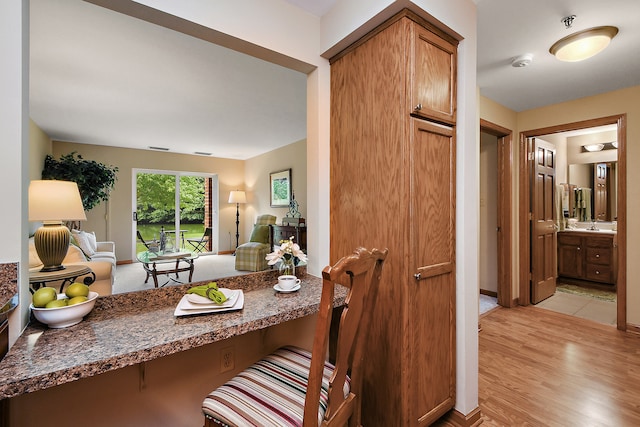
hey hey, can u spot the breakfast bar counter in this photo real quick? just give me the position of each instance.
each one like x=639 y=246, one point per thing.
x=127 y=329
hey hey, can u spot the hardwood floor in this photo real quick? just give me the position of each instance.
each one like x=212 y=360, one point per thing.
x=541 y=368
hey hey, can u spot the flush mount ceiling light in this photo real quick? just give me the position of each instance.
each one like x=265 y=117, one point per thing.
x=583 y=44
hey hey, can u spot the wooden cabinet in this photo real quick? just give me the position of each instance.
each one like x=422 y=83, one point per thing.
x=587 y=256
x=393 y=186
x=284 y=232
x=570 y=255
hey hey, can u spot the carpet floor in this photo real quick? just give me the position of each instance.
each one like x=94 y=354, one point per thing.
x=487 y=303
x=131 y=277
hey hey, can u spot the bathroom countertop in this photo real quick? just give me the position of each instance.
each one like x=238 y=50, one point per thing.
x=590 y=232
x=126 y=329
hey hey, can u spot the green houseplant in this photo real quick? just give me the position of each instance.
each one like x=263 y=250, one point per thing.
x=95 y=180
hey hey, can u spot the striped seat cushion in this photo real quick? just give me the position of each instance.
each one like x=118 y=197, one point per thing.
x=270 y=392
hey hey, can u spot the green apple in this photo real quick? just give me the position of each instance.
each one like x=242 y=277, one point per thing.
x=43 y=296
x=57 y=303
x=77 y=300
x=77 y=289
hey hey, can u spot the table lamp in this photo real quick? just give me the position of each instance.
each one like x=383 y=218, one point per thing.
x=52 y=202
x=237 y=197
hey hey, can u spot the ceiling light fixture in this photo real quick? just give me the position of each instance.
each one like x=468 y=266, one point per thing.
x=583 y=44
x=594 y=147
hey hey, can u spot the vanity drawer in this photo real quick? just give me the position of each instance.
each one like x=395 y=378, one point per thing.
x=600 y=241
x=599 y=256
x=599 y=273
x=567 y=238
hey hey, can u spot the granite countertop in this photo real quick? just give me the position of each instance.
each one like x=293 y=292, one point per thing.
x=8 y=282
x=127 y=329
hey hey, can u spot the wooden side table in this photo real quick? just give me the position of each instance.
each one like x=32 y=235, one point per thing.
x=38 y=279
x=284 y=232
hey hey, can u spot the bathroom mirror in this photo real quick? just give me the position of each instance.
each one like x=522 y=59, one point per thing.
x=601 y=196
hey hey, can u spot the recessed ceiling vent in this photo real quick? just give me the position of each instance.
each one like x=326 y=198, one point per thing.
x=158 y=148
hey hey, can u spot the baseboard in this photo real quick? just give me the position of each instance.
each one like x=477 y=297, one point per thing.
x=489 y=293
x=225 y=252
x=635 y=329
x=126 y=261
x=457 y=419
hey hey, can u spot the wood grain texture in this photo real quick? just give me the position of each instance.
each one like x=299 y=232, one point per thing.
x=393 y=185
x=434 y=78
x=368 y=183
x=541 y=368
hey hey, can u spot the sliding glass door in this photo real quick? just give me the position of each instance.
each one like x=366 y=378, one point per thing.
x=180 y=204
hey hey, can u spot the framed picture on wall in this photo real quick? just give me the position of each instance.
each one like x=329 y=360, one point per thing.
x=280 y=188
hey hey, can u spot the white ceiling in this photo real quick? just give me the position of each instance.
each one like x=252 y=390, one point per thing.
x=101 y=77
x=104 y=78
x=509 y=28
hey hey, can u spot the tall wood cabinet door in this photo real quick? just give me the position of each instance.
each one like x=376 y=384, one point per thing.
x=433 y=90
x=432 y=293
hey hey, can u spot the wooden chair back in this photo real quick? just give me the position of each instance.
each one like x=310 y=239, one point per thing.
x=360 y=272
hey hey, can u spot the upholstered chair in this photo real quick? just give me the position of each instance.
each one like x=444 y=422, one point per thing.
x=250 y=256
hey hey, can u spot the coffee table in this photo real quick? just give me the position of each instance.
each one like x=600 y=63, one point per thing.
x=167 y=263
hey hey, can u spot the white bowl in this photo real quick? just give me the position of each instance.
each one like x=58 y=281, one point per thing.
x=61 y=317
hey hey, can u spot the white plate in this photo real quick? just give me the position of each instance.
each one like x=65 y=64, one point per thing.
x=185 y=308
x=199 y=301
x=286 y=291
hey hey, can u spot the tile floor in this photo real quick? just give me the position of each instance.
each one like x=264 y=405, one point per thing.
x=581 y=306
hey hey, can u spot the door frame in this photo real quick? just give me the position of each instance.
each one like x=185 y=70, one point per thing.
x=524 y=274
x=505 y=211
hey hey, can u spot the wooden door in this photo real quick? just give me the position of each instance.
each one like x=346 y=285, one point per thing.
x=543 y=225
x=600 y=192
x=432 y=289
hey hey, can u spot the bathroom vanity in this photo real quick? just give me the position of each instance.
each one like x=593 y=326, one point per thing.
x=587 y=255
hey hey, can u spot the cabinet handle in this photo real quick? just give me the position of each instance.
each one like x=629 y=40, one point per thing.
x=597 y=272
x=578 y=247
x=418 y=107
x=417 y=276
x=597 y=255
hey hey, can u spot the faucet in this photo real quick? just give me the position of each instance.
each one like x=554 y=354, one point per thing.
x=593 y=226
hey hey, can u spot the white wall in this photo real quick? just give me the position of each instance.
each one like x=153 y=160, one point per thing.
x=14 y=133
x=257 y=170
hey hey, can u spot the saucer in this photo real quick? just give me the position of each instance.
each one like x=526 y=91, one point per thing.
x=285 y=291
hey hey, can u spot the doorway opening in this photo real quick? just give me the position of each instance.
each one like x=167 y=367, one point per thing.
x=498 y=225
x=176 y=205
x=527 y=260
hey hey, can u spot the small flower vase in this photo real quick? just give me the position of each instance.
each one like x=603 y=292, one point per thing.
x=287 y=267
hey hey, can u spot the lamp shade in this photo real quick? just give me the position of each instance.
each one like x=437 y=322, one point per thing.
x=51 y=200
x=237 y=197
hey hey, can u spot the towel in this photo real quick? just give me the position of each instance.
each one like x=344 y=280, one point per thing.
x=210 y=290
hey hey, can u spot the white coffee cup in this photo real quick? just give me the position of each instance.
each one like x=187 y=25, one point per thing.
x=288 y=282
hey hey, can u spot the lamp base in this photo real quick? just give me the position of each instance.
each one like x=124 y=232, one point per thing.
x=52 y=243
